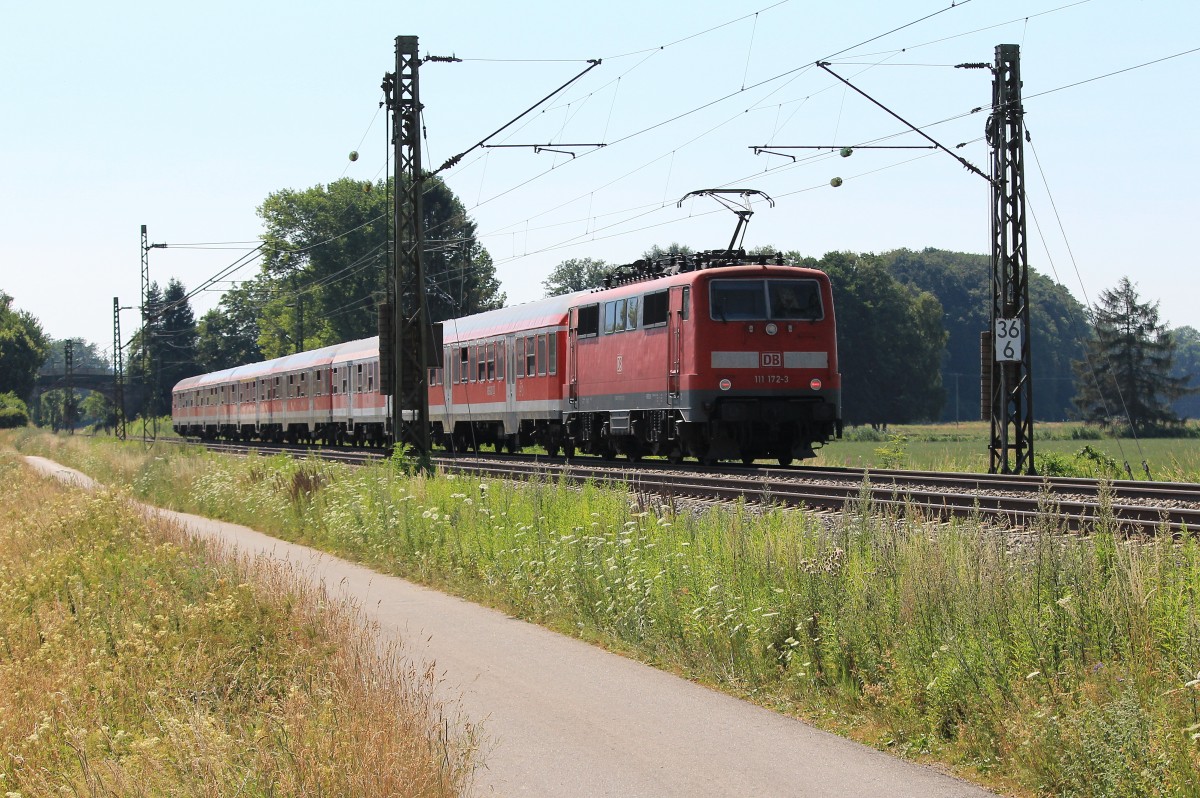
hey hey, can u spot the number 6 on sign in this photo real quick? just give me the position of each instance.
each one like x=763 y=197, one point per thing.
x=1009 y=335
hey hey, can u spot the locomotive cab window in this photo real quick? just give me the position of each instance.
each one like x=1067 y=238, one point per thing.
x=758 y=300
x=794 y=299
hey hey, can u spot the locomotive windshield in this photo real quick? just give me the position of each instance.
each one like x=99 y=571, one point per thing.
x=758 y=300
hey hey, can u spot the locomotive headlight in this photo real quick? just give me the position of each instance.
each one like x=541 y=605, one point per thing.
x=815 y=384
x=772 y=328
x=725 y=384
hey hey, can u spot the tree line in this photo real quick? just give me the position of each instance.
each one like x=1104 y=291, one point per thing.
x=909 y=322
x=909 y=326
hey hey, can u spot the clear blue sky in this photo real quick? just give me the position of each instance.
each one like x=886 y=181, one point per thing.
x=184 y=117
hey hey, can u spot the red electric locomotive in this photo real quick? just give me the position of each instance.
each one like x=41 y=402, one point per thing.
x=720 y=358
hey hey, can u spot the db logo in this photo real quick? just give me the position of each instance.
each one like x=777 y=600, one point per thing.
x=772 y=359
x=620 y=364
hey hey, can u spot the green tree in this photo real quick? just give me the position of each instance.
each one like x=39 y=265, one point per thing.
x=576 y=274
x=84 y=355
x=1127 y=374
x=23 y=347
x=674 y=248
x=165 y=351
x=1187 y=366
x=228 y=334
x=890 y=342
x=326 y=263
x=962 y=282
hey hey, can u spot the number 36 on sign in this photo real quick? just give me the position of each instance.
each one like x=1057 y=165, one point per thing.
x=1010 y=334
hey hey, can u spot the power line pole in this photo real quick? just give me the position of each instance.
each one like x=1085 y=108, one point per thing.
x=118 y=374
x=69 y=394
x=410 y=331
x=148 y=314
x=1007 y=371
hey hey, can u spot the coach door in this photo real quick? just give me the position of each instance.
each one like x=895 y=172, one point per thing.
x=507 y=363
x=678 y=311
x=573 y=356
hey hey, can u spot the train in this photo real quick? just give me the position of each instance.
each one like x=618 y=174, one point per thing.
x=713 y=356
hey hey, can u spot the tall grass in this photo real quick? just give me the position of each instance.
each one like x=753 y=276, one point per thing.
x=134 y=661
x=1042 y=662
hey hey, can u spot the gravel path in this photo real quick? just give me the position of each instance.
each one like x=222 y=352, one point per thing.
x=568 y=719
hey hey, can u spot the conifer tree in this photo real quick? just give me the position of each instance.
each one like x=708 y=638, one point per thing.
x=1127 y=371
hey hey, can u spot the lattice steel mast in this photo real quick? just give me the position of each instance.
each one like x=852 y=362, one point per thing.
x=410 y=331
x=1007 y=371
x=118 y=374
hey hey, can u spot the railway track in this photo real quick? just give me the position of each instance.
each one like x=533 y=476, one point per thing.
x=1012 y=501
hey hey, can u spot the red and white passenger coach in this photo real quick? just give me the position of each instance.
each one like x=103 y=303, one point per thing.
x=713 y=356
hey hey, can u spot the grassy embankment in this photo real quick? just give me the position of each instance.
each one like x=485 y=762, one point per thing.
x=134 y=661
x=1066 y=448
x=1053 y=665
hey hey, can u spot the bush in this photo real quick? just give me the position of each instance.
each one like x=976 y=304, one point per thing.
x=868 y=434
x=13 y=412
x=1087 y=462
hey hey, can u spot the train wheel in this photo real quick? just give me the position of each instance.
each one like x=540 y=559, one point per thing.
x=785 y=459
x=552 y=449
x=747 y=459
x=568 y=450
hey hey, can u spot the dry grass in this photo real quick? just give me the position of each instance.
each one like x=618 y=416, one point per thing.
x=136 y=661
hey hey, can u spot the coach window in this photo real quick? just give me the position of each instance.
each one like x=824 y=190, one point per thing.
x=687 y=302
x=333 y=380
x=500 y=361
x=631 y=313
x=530 y=356
x=587 y=321
x=541 y=352
x=491 y=362
x=610 y=318
x=553 y=364
x=372 y=367
x=358 y=377
x=302 y=388
x=520 y=358
x=619 y=321
x=654 y=309
x=318 y=389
